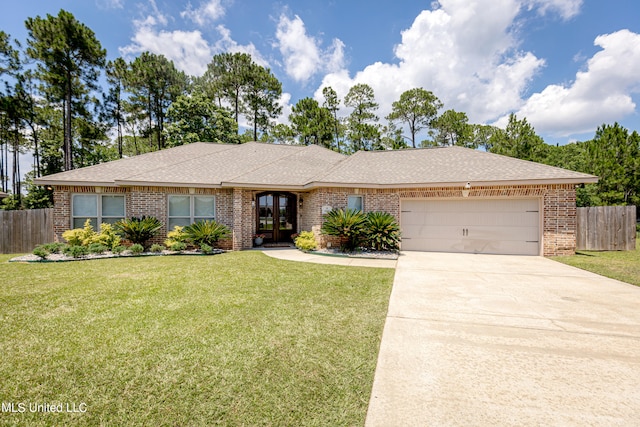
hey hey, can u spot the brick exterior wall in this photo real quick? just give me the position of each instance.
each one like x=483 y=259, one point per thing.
x=236 y=209
x=150 y=201
x=558 y=216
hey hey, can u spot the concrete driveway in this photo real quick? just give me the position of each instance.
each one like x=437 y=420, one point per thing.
x=490 y=340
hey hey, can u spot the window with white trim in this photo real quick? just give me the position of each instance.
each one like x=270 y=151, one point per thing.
x=185 y=210
x=354 y=202
x=99 y=208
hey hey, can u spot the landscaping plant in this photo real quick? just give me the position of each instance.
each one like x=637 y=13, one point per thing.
x=306 y=241
x=177 y=235
x=136 y=248
x=382 y=231
x=208 y=232
x=139 y=230
x=156 y=248
x=348 y=225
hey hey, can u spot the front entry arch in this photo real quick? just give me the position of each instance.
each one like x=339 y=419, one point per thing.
x=276 y=214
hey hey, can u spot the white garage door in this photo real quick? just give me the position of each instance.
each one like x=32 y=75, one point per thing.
x=489 y=226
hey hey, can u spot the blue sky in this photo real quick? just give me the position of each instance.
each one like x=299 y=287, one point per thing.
x=566 y=65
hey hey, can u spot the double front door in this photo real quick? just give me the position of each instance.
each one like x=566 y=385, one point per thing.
x=276 y=215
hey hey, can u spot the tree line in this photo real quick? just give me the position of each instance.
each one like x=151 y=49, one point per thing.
x=53 y=105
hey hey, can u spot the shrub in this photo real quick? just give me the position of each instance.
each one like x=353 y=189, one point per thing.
x=118 y=249
x=306 y=241
x=136 y=248
x=206 y=249
x=139 y=230
x=97 y=248
x=207 y=232
x=75 y=251
x=80 y=236
x=348 y=225
x=41 y=251
x=178 y=246
x=156 y=248
x=177 y=235
x=54 y=248
x=107 y=236
x=382 y=231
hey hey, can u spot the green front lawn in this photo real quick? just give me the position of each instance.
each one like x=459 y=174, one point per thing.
x=232 y=339
x=620 y=265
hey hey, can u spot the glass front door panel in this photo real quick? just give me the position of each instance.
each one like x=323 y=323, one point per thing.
x=285 y=219
x=265 y=211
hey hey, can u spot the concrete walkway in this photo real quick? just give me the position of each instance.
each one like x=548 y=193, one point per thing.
x=296 y=255
x=489 y=340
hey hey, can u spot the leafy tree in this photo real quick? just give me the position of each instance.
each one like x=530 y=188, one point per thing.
x=311 y=123
x=227 y=77
x=614 y=156
x=332 y=103
x=261 y=97
x=417 y=108
x=114 y=110
x=194 y=118
x=362 y=133
x=155 y=83
x=519 y=140
x=281 y=134
x=452 y=128
x=392 y=138
x=481 y=136
x=69 y=60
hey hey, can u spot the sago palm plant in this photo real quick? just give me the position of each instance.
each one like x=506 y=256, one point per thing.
x=348 y=225
x=382 y=231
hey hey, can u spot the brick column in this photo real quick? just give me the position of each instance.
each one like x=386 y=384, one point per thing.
x=242 y=219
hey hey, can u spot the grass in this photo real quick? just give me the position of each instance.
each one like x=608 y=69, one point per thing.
x=233 y=339
x=619 y=265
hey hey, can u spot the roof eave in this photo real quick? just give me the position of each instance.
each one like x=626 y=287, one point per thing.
x=576 y=181
x=58 y=182
x=133 y=183
x=263 y=186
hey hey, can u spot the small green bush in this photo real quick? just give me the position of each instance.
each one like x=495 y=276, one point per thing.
x=206 y=249
x=75 y=251
x=139 y=230
x=97 y=248
x=41 y=251
x=177 y=235
x=119 y=249
x=206 y=232
x=54 y=248
x=178 y=246
x=107 y=236
x=156 y=248
x=80 y=236
x=136 y=248
x=306 y=241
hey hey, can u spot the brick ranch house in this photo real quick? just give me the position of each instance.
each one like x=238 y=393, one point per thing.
x=449 y=199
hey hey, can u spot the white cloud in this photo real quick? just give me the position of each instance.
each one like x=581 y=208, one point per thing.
x=598 y=95
x=567 y=9
x=209 y=11
x=187 y=49
x=227 y=44
x=110 y=4
x=461 y=50
x=303 y=55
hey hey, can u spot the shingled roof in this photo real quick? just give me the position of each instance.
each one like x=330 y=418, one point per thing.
x=274 y=166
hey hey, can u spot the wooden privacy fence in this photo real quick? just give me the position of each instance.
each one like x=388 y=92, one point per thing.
x=606 y=228
x=21 y=231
